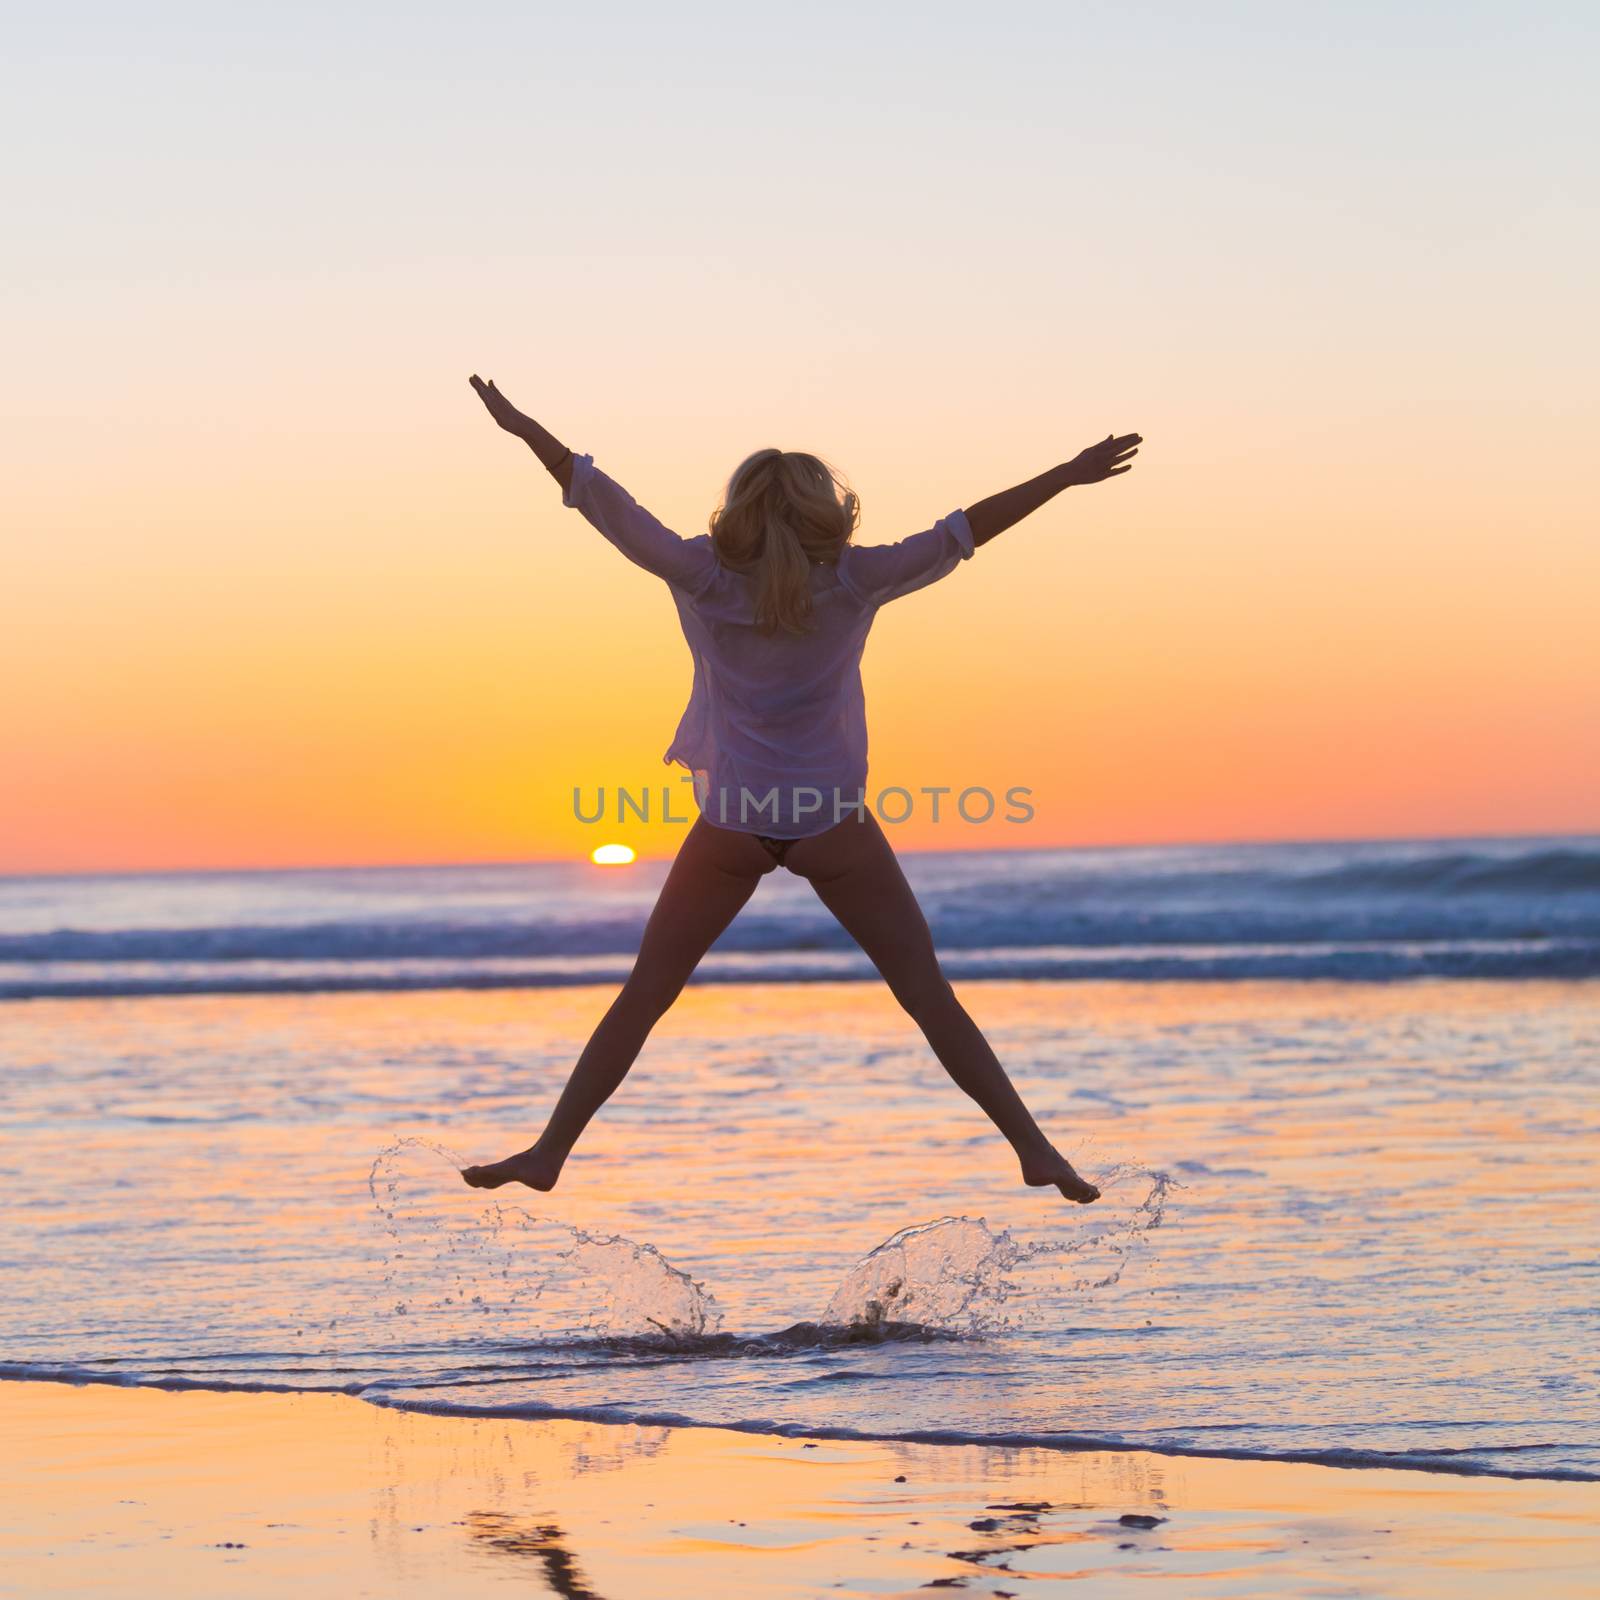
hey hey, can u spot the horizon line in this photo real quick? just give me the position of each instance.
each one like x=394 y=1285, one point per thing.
x=570 y=860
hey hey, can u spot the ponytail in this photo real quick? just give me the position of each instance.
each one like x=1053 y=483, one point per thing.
x=781 y=513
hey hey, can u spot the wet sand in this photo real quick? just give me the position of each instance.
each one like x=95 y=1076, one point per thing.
x=108 y=1490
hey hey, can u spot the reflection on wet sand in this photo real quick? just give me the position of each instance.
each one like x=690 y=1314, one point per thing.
x=141 y=1491
x=524 y=1539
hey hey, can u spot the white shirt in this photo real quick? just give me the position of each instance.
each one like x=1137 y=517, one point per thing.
x=775 y=731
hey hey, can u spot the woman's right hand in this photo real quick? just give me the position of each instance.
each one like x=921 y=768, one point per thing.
x=499 y=407
x=1100 y=461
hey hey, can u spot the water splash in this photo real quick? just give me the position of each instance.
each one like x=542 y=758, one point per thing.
x=540 y=1277
x=954 y=1275
x=537 y=1276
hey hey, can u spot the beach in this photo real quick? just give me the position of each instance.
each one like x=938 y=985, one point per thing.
x=107 y=1490
x=1330 y=1320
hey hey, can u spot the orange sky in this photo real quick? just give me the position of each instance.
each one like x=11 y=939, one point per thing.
x=275 y=591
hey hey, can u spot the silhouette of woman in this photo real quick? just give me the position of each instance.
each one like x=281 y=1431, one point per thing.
x=776 y=602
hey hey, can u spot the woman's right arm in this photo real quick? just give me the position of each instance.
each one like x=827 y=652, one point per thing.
x=544 y=444
x=684 y=563
x=1010 y=506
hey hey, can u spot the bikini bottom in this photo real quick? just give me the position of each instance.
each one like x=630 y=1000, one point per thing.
x=776 y=848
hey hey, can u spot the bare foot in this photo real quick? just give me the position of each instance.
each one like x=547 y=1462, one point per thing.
x=531 y=1167
x=1055 y=1168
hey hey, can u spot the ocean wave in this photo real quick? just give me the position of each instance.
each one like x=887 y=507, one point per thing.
x=1358 y=911
x=1462 y=872
x=1369 y=962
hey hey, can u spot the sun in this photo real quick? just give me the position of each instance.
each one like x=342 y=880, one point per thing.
x=612 y=855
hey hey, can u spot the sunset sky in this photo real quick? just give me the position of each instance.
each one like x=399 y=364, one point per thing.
x=275 y=591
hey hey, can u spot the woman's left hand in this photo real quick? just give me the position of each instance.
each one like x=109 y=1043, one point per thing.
x=1113 y=455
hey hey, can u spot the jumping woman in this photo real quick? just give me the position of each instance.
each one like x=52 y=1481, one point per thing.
x=776 y=603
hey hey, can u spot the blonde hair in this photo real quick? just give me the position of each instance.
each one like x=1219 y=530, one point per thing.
x=783 y=510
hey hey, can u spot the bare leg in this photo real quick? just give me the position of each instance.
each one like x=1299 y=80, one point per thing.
x=853 y=869
x=715 y=873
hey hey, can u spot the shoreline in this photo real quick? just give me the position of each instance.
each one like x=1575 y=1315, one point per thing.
x=107 y=1486
x=1055 y=1443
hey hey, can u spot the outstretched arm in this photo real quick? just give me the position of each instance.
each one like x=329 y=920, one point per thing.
x=556 y=457
x=685 y=563
x=1098 y=462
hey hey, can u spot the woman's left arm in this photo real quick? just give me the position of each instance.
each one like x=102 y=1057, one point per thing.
x=1108 y=459
x=556 y=457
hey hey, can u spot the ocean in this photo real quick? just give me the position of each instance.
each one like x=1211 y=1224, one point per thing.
x=1341 y=1098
